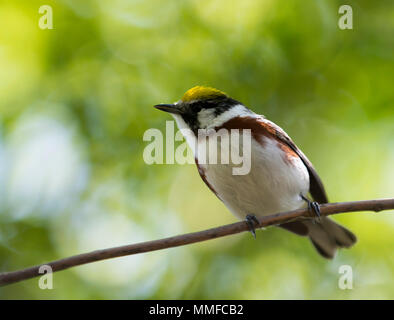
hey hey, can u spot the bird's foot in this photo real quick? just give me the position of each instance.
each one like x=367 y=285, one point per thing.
x=252 y=223
x=313 y=207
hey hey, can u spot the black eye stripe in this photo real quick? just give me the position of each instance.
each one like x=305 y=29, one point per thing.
x=219 y=105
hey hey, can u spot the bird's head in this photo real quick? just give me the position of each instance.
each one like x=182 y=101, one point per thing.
x=202 y=108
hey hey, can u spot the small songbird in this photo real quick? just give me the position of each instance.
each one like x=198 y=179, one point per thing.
x=280 y=178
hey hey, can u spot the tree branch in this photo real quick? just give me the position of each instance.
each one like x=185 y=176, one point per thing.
x=176 y=241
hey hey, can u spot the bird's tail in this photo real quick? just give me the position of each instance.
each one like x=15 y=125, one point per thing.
x=327 y=235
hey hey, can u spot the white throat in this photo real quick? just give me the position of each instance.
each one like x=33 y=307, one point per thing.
x=208 y=120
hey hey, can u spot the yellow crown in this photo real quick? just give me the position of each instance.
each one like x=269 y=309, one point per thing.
x=200 y=92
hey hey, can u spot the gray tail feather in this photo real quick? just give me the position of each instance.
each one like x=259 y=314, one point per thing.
x=327 y=235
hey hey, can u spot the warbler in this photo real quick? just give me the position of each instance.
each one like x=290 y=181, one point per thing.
x=280 y=178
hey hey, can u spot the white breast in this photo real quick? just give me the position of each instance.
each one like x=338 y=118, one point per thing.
x=272 y=185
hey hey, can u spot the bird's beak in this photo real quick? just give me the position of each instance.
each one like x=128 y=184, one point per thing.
x=171 y=108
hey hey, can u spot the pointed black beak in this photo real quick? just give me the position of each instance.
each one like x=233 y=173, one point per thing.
x=171 y=108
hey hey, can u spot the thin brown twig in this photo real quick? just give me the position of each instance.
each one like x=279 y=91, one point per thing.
x=222 y=231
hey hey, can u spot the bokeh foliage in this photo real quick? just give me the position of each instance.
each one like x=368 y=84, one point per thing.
x=76 y=100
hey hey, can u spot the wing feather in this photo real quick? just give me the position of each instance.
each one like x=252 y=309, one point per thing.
x=316 y=187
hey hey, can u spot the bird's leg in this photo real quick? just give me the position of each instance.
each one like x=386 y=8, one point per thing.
x=313 y=206
x=252 y=222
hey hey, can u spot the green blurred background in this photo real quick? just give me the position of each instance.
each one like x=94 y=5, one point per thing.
x=75 y=102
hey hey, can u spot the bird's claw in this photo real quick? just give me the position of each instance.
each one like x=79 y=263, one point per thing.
x=313 y=207
x=252 y=222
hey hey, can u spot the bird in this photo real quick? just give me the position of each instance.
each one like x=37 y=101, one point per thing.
x=281 y=177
